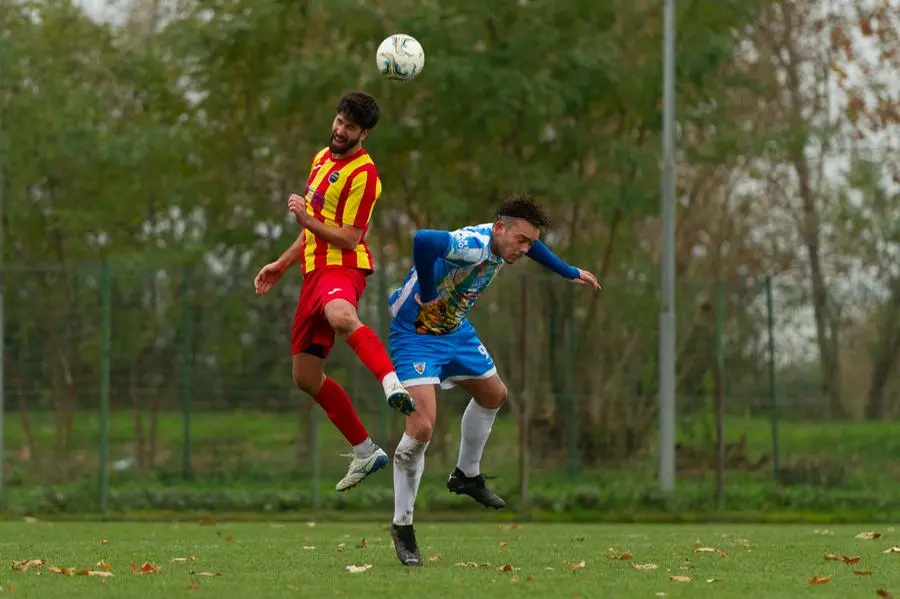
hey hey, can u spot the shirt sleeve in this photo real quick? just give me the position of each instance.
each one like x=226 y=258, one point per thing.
x=541 y=254
x=365 y=188
x=428 y=246
x=467 y=247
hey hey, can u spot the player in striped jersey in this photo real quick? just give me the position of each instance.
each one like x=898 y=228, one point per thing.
x=334 y=214
x=434 y=344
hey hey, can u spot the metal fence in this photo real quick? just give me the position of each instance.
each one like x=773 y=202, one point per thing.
x=129 y=386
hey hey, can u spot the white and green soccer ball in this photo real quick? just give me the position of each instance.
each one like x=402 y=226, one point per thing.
x=400 y=57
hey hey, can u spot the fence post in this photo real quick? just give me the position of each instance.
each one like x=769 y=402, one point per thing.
x=105 y=341
x=186 y=370
x=570 y=385
x=383 y=332
x=524 y=413
x=773 y=399
x=720 y=392
x=315 y=455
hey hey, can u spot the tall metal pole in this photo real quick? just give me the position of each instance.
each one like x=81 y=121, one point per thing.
x=667 y=262
x=2 y=302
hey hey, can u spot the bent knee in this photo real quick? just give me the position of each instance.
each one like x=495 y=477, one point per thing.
x=419 y=427
x=310 y=382
x=495 y=398
x=342 y=317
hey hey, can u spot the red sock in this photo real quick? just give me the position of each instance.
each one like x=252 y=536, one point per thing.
x=371 y=351
x=336 y=403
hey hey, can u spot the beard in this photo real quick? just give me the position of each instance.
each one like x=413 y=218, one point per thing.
x=340 y=145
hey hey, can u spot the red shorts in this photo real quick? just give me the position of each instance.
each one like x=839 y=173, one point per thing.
x=311 y=332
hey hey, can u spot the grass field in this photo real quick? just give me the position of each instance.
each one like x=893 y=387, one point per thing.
x=476 y=560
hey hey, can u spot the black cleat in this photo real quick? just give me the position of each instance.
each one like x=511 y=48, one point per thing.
x=474 y=487
x=405 y=544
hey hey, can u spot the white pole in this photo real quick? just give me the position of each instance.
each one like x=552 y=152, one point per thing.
x=667 y=262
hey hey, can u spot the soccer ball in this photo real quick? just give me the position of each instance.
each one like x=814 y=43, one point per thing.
x=400 y=57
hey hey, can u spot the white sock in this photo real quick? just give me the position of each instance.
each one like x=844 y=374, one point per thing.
x=409 y=463
x=390 y=382
x=476 y=428
x=364 y=449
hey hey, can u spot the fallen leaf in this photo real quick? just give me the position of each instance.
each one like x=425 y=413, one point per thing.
x=723 y=553
x=850 y=561
x=710 y=580
x=311 y=524
x=863 y=572
x=515 y=578
x=830 y=557
x=620 y=557
x=63 y=571
x=503 y=544
x=89 y=572
x=884 y=594
x=193 y=586
x=819 y=579
x=207 y=521
x=643 y=567
x=548 y=569
x=181 y=560
x=206 y=574
x=868 y=536
x=309 y=546
x=229 y=539
x=892 y=550
x=680 y=578
x=363 y=544
x=510 y=526
x=103 y=565
x=433 y=557
x=104 y=541
x=357 y=569
x=505 y=568
x=28 y=563
x=146 y=568
x=576 y=565
x=705 y=550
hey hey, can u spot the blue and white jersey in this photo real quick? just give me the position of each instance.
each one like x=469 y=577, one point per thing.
x=463 y=267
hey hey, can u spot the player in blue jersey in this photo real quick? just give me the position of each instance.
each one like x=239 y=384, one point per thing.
x=432 y=343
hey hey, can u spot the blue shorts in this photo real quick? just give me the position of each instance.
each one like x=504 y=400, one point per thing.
x=439 y=359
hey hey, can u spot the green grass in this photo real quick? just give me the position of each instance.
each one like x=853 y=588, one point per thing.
x=263 y=462
x=271 y=559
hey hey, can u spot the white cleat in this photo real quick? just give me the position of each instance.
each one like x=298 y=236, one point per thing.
x=360 y=468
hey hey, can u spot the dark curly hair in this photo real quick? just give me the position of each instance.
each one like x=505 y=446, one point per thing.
x=524 y=206
x=361 y=108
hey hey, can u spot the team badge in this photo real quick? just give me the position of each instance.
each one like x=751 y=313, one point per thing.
x=333 y=177
x=420 y=367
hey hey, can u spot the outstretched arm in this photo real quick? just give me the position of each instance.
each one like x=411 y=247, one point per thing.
x=428 y=246
x=541 y=254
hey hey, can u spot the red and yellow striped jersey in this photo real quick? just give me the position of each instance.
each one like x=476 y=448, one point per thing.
x=340 y=192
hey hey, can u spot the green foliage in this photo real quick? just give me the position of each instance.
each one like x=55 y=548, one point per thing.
x=169 y=147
